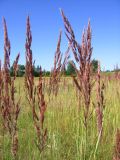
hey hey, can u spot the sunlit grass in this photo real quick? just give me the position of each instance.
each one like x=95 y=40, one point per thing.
x=64 y=121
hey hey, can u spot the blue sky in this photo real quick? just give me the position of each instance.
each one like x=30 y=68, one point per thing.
x=46 y=22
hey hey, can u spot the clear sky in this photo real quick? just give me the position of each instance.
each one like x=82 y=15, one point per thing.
x=46 y=22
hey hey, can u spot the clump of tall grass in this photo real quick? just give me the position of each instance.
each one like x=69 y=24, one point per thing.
x=99 y=106
x=100 y=102
x=117 y=146
x=82 y=54
x=10 y=108
x=59 y=68
x=39 y=121
x=36 y=104
x=55 y=72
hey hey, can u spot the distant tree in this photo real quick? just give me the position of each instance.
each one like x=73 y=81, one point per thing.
x=21 y=70
x=37 y=68
x=94 y=65
x=21 y=67
x=70 y=69
x=36 y=71
x=108 y=71
x=47 y=73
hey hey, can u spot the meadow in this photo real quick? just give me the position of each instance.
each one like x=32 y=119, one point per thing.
x=59 y=117
x=64 y=121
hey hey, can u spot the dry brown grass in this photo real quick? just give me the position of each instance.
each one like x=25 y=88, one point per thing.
x=10 y=107
x=117 y=146
x=82 y=54
x=37 y=104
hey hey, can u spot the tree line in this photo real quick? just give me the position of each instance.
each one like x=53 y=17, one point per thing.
x=69 y=70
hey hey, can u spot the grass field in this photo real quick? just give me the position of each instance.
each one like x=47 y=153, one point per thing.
x=59 y=118
x=64 y=121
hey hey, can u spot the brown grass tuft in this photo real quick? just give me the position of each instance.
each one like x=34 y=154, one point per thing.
x=9 y=107
x=100 y=102
x=39 y=105
x=117 y=146
x=82 y=54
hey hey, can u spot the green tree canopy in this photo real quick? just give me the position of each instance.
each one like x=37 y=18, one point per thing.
x=94 y=65
x=70 y=69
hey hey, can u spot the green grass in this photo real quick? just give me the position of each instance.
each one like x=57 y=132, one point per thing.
x=66 y=132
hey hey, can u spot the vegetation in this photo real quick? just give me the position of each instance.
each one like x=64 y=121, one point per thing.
x=95 y=65
x=58 y=117
x=70 y=69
